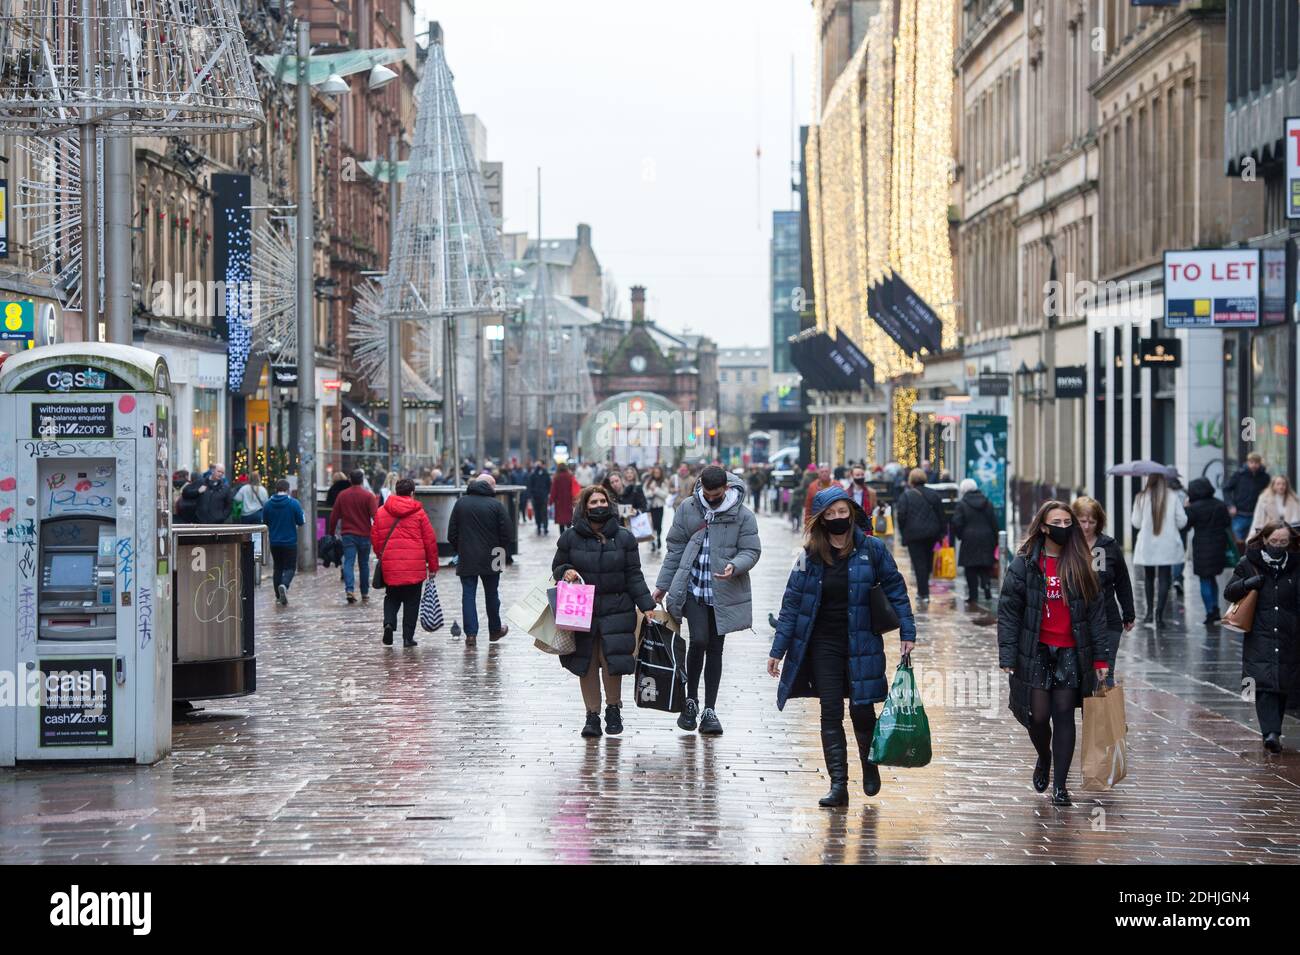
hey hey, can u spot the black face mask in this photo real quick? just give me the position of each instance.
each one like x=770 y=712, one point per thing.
x=860 y=480
x=1277 y=553
x=1060 y=535
x=715 y=504
x=599 y=515
x=838 y=525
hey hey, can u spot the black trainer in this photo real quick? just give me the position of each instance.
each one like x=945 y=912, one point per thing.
x=687 y=720
x=613 y=720
x=1273 y=743
x=592 y=728
x=388 y=636
x=709 y=723
x=1061 y=796
x=409 y=642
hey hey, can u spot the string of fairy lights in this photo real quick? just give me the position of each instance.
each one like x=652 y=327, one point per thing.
x=878 y=189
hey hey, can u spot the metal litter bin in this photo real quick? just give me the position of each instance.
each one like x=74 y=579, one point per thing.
x=214 y=573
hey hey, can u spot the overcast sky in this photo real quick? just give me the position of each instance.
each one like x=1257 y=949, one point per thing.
x=645 y=119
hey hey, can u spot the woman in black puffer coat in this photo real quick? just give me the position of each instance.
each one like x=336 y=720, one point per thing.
x=1051 y=638
x=975 y=524
x=607 y=556
x=1270 y=653
x=1210 y=524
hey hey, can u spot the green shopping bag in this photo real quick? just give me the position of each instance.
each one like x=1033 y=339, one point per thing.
x=902 y=736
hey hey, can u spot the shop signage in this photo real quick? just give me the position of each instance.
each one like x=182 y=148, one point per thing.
x=1273 y=302
x=284 y=376
x=1071 y=381
x=66 y=420
x=76 y=702
x=4 y=218
x=1291 y=142
x=18 y=322
x=1213 y=288
x=1160 y=352
x=67 y=378
x=993 y=385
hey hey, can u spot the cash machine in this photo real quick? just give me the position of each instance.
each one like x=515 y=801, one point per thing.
x=85 y=562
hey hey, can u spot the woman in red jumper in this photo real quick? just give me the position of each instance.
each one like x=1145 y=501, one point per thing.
x=407 y=548
x=1052 y=638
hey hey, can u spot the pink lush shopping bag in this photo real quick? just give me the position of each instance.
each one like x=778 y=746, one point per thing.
x=573 y=605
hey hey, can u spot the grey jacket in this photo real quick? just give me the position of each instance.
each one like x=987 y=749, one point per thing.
x=733 y=539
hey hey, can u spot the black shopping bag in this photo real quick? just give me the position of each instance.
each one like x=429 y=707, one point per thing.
x=660 y=679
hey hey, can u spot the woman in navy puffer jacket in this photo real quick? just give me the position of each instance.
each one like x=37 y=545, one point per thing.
x=825 y=636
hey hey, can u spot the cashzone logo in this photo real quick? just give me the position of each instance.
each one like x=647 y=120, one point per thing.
x=67 y=380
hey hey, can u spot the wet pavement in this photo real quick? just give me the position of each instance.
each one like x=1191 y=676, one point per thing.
x=351 y=751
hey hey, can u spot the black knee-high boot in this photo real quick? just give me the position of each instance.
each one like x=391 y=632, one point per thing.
x=864 y=726
x=835 y=747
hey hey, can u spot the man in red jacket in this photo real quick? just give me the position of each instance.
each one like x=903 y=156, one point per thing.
x=408 y=555
x=352 y=514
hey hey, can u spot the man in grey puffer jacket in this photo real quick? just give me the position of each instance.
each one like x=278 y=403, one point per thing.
x=712 y=546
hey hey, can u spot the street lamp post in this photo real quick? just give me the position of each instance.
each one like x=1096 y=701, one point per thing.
x=396 y=423
x=306 y=317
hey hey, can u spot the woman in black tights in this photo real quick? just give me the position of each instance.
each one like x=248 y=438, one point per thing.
x=1052 y=639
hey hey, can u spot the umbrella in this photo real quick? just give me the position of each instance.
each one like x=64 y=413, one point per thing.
x=1142 y=469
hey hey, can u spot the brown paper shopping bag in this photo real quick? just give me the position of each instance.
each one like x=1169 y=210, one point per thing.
x=1105 y=742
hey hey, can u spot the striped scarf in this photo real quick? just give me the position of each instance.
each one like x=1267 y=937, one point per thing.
x=701 y=571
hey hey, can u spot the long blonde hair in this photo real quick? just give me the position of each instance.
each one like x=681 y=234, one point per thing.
x=1156 y=493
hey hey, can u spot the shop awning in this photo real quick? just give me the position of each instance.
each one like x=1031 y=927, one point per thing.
x=778 y=420
x=827 y=366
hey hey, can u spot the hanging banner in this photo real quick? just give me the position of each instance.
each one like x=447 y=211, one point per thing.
x=986 y=459
x=923 y=319
x=1291 y=143
x=232 y=254
x=1212 y=288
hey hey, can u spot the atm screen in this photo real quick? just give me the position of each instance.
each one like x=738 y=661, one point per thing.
x=71 y=570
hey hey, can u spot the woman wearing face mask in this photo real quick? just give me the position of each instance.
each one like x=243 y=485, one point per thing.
x=1270 y=653
x=825 y=637
x=1051 y=639
x=605 y=555
x=1116 y=585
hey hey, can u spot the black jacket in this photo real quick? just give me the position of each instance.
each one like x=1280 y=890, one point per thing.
x=539 y=484
x=1270 y=653
x=1208 y=520
x=919 y=516
x=212 y=506
x=612 y=564
x=337 y=488
x=1116 y=584
x=975 y=524
x=1020 y=614
x=479 y=531
x=632 y=494
x=1242 y=490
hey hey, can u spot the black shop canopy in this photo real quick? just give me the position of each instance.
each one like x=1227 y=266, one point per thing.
x=830 y=364
x=904 y=316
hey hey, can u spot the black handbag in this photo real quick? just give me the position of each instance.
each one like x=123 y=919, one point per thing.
x=377 y=581
x=883 y=616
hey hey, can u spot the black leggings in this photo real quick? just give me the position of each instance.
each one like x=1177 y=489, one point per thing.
x=1057 y=738
x=705 y=653
x=657 y=522
x=829 y=657
x=1149 y=582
